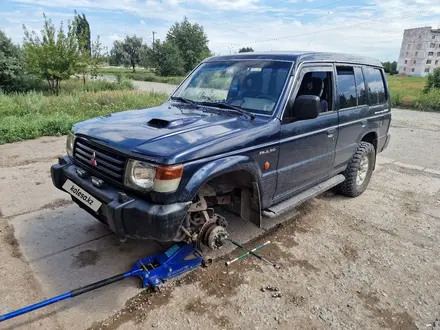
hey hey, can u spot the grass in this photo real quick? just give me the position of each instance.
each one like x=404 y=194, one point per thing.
x=140 y=74
x=31 y=115
x=76 y=85
x=407 y=92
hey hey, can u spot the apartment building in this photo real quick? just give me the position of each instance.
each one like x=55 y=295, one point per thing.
x=420 y=51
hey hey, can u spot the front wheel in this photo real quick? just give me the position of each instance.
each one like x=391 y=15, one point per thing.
x=359 y=170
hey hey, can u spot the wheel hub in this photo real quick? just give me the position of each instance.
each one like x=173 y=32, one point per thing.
x=363 y=170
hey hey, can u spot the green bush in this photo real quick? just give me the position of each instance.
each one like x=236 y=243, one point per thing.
x=396 y=99
x=429 y=101
x=31 y=115
x=433 y=81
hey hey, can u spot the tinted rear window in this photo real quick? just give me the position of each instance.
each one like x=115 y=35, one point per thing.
x=346 y=87
x=376 y=86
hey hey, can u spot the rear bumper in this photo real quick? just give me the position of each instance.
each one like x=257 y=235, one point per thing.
x=125 y=214
x=384 y=141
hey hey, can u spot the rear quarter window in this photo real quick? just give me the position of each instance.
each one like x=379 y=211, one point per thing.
x=376 y=86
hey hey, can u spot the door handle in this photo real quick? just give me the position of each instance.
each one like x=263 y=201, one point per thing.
x=363 y=123
x=331 y=132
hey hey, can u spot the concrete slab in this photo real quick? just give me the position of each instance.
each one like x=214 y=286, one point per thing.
x=30 y=152
x=85 y=264
x=45 y=233
x=67 y=248
x=29 y=188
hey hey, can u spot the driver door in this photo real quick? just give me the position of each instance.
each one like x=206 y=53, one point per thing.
x=307 y=147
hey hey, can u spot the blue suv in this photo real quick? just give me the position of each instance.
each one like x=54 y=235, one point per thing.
x=253 y=134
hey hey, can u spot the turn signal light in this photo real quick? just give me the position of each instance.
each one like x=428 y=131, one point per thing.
x=169 y=172
x=168 y=178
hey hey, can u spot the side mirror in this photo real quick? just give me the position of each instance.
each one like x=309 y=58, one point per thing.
x=306 y=107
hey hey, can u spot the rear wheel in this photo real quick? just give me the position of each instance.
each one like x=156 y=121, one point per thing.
x=359 y=170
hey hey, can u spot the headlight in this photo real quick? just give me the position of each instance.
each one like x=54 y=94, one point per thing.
x=139 y=175
x=146 y=177
x=69 y=143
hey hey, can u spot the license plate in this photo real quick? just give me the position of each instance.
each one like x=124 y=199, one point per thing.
x=82 y=195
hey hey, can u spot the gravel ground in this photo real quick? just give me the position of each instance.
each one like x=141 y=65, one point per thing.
x=365 y=263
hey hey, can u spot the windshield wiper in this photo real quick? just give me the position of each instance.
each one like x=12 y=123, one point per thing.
x=229 y=107
x=182 y=99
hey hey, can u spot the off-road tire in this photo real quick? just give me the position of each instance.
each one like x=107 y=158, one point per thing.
x=350 y=187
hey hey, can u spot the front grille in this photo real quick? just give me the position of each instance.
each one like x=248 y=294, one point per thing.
x=109 y=164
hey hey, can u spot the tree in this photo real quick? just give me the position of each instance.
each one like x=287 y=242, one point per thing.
x=165 y=57
x=12 y=64
x=128 y=52
x=433 y=81
x=390 y=67
x=245 y=50
x=83 y=35
x=191 y=41
x=89 y=63
x=90 y=52
x=53 y=57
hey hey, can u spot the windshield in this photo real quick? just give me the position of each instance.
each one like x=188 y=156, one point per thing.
x=254 y=86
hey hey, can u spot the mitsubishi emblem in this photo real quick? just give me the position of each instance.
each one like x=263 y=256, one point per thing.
x=93 y=161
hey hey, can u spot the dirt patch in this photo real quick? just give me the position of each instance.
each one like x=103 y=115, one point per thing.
x=13 y=162
x=305 y=264
x=57 y=204
x=219 y=281
x=10 y=239
x=49 y=141
x=296 y=301
x=86 y=258
x=200 y=308
x=387 y=318
x=136 y=309
x=350 y=252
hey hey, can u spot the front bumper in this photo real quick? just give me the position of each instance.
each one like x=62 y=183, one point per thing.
x=124 y=213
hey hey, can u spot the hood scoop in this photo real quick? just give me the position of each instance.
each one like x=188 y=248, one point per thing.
x=158 y=123
x=162 y=123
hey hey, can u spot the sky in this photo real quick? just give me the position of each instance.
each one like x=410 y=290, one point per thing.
x=366 y=27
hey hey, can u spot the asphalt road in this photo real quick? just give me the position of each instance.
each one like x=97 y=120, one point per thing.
x=364 y=263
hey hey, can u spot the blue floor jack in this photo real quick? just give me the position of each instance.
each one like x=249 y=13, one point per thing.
x=152 y=270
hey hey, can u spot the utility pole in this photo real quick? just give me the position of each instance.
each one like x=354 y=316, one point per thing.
x=154 y=33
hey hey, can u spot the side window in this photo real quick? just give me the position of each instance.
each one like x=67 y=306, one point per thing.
x=318 y=83
x=346 y=87
x=360 y=86
x=376 y=86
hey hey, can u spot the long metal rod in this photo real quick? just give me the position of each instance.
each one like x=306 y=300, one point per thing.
x=255 y=254
x=252 y=252
x=67 y=295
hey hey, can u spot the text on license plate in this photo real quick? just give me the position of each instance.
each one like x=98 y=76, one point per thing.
x=82 y=195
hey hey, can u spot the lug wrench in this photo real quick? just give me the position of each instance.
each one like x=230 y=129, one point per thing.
x=252 y=252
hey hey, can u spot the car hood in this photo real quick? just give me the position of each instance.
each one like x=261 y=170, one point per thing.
x=170 y=134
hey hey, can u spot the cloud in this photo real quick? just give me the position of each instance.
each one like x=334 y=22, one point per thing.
x=372 y=27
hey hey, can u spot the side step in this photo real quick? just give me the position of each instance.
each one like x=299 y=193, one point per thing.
x=289 y=204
